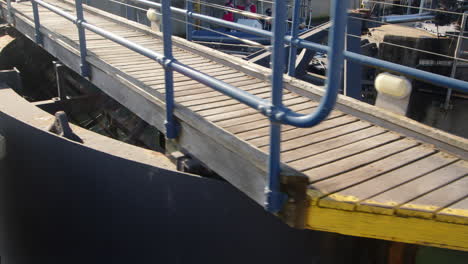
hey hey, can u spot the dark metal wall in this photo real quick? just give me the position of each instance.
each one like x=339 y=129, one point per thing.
x=64 y=203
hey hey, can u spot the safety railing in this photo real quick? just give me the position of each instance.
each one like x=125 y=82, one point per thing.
x=274 y=109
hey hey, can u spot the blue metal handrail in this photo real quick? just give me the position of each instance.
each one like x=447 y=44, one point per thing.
x=277 y=113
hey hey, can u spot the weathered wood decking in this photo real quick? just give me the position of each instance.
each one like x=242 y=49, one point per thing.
x=371 y=173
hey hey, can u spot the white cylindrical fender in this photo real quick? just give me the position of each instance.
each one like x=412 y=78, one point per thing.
x=393 y=85
x=153 y=16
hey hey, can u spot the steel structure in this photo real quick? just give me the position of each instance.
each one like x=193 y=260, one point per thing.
x=274 y=110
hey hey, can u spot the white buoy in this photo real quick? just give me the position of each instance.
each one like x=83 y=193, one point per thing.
x=393 y=85
x=152 y=15
x=154 y=18
x=2 y=147
x=393 y=93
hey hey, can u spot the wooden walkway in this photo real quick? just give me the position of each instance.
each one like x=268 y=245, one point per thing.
x=371 y=173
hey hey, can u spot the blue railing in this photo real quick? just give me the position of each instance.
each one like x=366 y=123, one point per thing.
x=274 y=110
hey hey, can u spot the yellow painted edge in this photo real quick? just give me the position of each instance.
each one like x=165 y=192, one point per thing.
x=459 y=216
x=427 y=232
x=370 y=206
x=338 y=201
x=417 y=210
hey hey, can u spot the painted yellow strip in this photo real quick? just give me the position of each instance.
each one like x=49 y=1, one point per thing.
x=459 y=216
x=370 y=206
x=417 y=210
x=402 y=229
x=338 y=201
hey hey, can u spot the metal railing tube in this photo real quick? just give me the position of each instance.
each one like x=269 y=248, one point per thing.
x=424 y=76
x=170 y=124
x=82 y=38
x=188 y=20
x=56 y=10
x=275 y=198
x=334 y=73
x=294 y=33
x=124 y=42
x=37 y=23
x=227 y=89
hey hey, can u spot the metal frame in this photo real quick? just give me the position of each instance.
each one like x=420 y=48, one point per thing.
x=457 y=54
x=82 y=37
x=294 y=33
x=274 y=110
x=188 y=20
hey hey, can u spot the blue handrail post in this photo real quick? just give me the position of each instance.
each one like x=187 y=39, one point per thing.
x=170 y=123
x=353 y=79
x=189 y=20
x=275 y=198
x=294 y=33
x=82 y=36
x=37 y=23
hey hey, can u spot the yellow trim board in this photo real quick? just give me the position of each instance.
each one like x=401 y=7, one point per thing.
x=459 y=216
x=402 y=229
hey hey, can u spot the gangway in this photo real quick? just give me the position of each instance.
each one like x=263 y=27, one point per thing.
x=360 y=171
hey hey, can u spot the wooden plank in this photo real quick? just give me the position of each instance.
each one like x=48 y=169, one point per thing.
x=456 y=213
x=130 y=61
x=363 y=159
x=259 y=129
x=156 y=73
x=236 y=107
x=261 y=133
x=136 y=69
x=303 y=108
x=332 y=182
x=225 y=116
x=296 y=138
x=221 y=99
x=188 y=84
x=189 y=88
x=387 y=201
x=192 y=100
x=156 y=76
x=349 y=150
x=262 y=93
x=436 y=200
x=256 y=117
x=326 y=145
x=349 y=197
x=205 y=90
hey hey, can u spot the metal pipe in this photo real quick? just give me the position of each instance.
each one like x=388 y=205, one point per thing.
x=424 y=76
x=334 y=73
x=407 y=18
x=37 y=24
x=294 y=33
x=170 y=124
x=84 y=67
x=56 y=10
x=275 y=198
x=455 y=61
x=421 y=6
x=189 y=20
